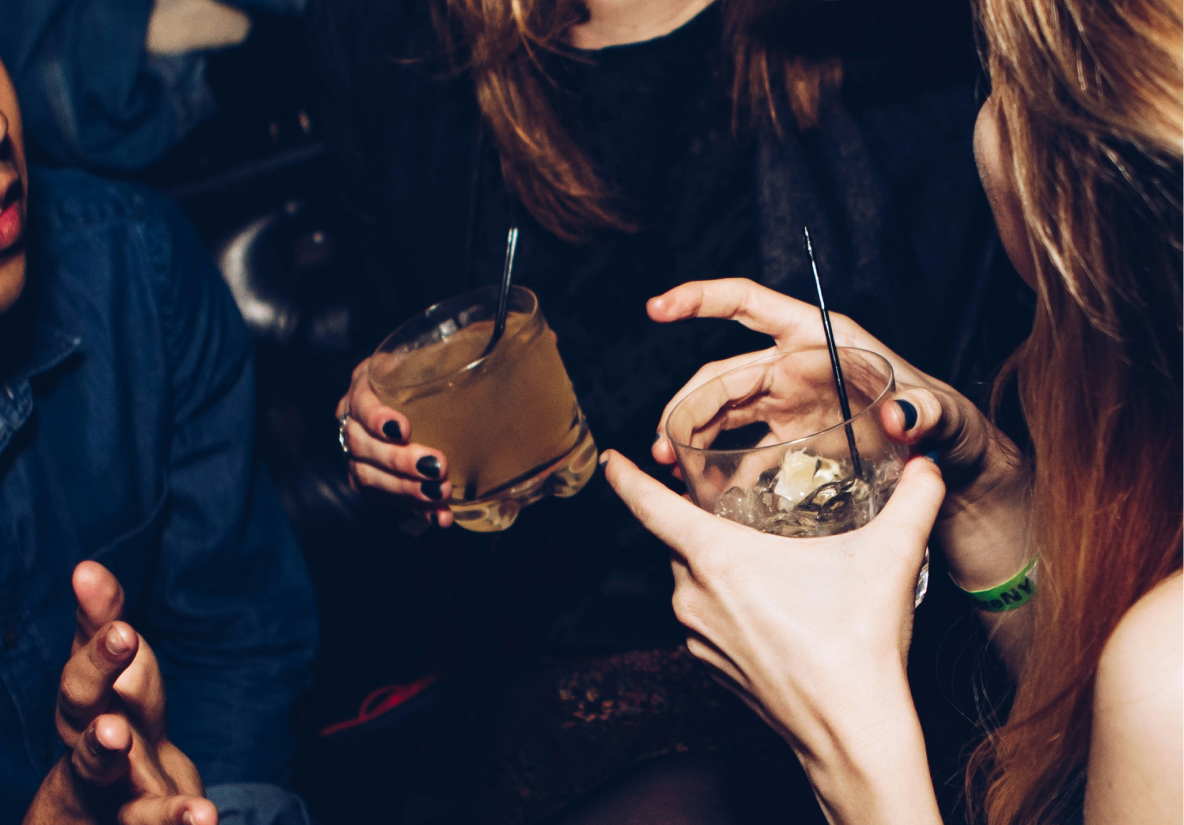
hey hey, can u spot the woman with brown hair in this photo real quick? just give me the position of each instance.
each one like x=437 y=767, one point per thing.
x=1079 y=147
x=636 y=146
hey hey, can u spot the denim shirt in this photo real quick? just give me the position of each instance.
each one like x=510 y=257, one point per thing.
x=91 y=95
x=126 y=436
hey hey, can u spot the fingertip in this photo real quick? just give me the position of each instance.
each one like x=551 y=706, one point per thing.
x=657 y=307
x=112 y=733
x=85 y=572
x=920 y=470
x=394 y=431
x=120 y=640
x=908 y=413
x=894 y=421
x=663 y=451
x=200 y=812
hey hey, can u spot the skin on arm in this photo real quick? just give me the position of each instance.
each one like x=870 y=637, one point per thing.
x=1136 y=758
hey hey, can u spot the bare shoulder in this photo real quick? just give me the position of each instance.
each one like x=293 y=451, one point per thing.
x=1144 y=657
x=1137 y=748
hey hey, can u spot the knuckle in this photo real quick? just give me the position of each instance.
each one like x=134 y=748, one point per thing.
x=398 y=458
x=80 y=764
x=710 y=567
x=72 y=697
x=686 y=609
x=66 y=732
x=697 y=648
x=363 y=474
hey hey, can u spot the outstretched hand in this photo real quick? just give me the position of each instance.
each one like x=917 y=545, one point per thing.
x=812 y=633
x=111 y=717
x=798 y=627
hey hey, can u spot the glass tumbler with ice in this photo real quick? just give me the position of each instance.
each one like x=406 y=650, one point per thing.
x=766 y=444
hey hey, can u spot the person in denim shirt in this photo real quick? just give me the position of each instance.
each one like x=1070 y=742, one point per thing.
x=126 y=421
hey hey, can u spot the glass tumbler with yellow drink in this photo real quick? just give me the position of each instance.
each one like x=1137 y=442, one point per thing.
x=507 y=421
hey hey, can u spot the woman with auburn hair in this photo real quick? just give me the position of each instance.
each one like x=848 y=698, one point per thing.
x=1079 y=147
x=635 y=146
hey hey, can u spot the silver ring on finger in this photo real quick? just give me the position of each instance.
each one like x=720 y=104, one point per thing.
x=342 y=423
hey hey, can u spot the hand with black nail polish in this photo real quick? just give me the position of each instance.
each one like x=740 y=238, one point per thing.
x=381 y=456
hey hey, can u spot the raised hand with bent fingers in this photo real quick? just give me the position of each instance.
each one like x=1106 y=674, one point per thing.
x=119 y=764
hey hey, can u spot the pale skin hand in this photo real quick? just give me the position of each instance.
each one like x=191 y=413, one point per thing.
x=812 y=633
x=111 y=717
x=982 y=527
x=383 y=457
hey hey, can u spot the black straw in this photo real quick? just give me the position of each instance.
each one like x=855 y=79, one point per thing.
x=503 y=298
x=840 y=385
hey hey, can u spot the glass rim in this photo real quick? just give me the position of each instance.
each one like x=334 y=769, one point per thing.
x=468 y=297
x=890 y=379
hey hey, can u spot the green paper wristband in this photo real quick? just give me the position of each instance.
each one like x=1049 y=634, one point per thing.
x=1015 y=592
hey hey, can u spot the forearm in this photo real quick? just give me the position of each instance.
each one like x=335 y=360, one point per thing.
x=871 y=769
x=986 y=542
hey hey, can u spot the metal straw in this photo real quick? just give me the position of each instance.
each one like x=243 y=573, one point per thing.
x=499 y=323
x=503 y=298
x=840 y=385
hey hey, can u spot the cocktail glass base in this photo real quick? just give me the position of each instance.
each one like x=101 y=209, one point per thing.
x=562 y=478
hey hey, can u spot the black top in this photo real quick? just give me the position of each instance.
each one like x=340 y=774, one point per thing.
x=887 y=186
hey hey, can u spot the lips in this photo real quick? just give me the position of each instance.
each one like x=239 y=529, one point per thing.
x=12 y=212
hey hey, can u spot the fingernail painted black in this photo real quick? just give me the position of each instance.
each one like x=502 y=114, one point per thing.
x=392 y=430
x=433 y=490
x=428 y=466
x=910 y=413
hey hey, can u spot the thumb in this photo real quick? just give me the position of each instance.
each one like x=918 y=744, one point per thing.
x=913 y=507
x=660 y=510
x=100 y=600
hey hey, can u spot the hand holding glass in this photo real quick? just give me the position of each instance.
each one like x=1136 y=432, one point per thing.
x=766 y=445
x=508 y=422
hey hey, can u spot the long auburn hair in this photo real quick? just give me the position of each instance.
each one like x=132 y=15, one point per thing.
x=1089 y=99
x=505 y=45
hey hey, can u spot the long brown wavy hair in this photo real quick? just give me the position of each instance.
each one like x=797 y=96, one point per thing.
x=1089 y=100
x=506 y=44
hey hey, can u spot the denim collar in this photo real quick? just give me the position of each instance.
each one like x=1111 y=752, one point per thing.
x=51 y=346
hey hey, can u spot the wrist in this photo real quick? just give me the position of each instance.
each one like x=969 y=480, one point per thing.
x=986 y=539
x=871 y=766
